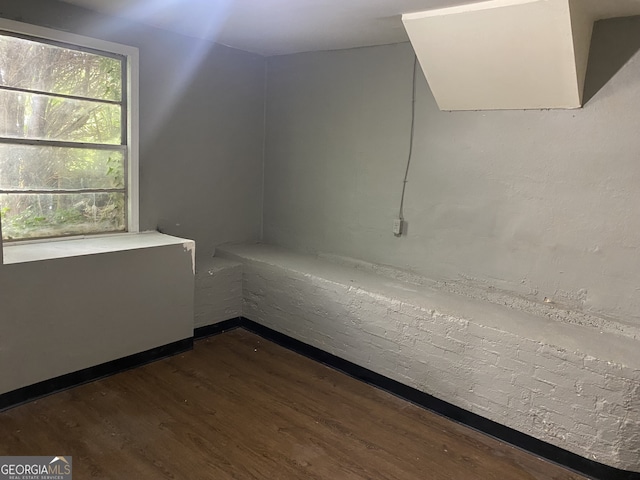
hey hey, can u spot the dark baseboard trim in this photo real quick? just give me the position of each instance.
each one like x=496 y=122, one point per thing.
x=217 y=328
x=74 y=379
x=584 y=466
x=64 y=382
x=579 y=464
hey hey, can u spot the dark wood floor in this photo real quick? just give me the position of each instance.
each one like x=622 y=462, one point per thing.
x=240 y=407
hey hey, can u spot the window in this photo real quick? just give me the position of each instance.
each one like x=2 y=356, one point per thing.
x=68 y=152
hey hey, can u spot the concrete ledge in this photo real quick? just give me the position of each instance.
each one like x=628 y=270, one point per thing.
x=49 y=249
x=569 y=385
x=70 y=313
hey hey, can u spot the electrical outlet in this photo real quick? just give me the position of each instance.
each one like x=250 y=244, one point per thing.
x=398 y=223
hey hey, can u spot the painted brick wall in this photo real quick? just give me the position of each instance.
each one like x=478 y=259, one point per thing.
x=570 y=385
x=218 y=291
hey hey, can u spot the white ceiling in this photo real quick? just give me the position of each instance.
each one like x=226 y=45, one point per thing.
x=275 y=27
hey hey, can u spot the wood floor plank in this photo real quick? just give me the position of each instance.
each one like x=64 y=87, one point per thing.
x=240 y=407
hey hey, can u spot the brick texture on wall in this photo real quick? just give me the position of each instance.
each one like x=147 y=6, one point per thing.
x=569 y=385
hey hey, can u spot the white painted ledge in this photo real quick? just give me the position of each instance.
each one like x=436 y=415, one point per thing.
x=571 y=385
x=218 y=291
x=375 y=282
x=22 y=252
x=73 y=304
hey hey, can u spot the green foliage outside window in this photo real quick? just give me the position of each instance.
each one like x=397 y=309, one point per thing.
x=62 y=164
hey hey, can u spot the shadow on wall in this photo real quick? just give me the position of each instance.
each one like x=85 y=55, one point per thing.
x=614 y=42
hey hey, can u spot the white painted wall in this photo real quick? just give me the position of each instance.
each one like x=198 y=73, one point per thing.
x=201 y=142
x=538 y=203
x=201 y=129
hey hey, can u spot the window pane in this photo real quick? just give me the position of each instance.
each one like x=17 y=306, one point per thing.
x=47 y=215
x=47 y=68
x=40 y=117
x=34 y=167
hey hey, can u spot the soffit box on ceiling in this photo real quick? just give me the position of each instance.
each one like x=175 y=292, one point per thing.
x=504 y=54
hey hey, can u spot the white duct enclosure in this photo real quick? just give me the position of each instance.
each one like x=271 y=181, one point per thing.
x=504 y=54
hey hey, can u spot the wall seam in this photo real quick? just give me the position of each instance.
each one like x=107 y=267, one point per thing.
x=264 y=144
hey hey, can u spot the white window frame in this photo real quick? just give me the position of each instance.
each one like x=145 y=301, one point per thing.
x=131 y=55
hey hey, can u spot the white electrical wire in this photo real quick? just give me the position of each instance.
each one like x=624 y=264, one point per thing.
x=411 y=135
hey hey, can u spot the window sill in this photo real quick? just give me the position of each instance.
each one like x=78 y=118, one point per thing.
x=77 y=247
